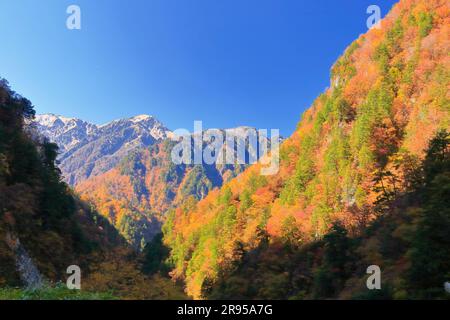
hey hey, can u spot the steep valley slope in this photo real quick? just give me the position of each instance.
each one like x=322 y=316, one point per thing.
x=364 y=180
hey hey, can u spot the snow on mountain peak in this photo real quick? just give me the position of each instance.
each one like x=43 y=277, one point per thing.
x=141 y=117
x=49 y=119
x=88 y=149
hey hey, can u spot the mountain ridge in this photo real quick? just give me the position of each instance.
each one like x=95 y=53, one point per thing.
x=88 y=149
x=140 y=181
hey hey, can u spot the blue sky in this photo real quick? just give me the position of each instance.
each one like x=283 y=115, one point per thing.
x=226 y=62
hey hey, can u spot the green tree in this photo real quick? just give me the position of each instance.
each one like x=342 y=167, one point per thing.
x=430 y=253
x=155 y=254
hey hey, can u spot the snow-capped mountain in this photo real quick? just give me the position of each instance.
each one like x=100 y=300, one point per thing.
x=88 y=149
x=66 y=132
x=134 y=154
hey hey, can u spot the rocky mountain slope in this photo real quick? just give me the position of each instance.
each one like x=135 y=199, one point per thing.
x=88 y=150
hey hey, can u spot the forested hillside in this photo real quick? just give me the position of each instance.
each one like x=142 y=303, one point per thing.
x=364 y=180
x=44 y=228
x=136 y=194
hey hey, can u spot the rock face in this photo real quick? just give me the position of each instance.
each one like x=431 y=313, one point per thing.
x=89 y=150
x=29 y=273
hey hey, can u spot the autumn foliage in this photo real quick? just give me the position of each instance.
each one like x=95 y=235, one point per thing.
x=355 y=151
x=55 y=228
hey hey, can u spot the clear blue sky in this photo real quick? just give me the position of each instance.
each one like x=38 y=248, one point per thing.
x=227 y=62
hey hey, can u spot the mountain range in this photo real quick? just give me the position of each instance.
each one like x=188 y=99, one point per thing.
x=88 y=150
x=124 y=168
